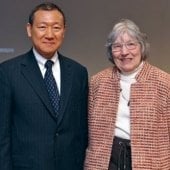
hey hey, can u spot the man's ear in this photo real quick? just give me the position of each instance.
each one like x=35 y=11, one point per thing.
x=28 y=27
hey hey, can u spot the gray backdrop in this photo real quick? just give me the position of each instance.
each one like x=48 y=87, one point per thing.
x=88 y=24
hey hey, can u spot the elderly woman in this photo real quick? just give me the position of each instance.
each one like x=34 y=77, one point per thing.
x=129 y=107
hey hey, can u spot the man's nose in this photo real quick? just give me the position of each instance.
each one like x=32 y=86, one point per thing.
x=49 y=33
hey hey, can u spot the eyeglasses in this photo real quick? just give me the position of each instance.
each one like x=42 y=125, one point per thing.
x=116 y=47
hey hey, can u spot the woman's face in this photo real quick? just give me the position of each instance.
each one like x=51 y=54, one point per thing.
x=126 y=53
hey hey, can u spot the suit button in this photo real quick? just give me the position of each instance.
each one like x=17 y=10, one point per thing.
x=57 y=134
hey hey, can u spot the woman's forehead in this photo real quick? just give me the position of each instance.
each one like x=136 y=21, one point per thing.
x=125 y=36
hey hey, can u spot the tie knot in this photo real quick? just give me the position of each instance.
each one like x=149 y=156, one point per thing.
x=49 y=64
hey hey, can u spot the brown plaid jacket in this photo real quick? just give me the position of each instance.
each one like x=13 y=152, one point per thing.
x=149 y=114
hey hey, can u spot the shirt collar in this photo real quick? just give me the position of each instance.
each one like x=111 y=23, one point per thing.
x=41 y=60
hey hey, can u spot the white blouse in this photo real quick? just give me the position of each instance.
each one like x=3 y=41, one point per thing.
x=122 y=129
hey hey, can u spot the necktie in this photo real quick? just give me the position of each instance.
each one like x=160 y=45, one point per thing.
x=51 y=86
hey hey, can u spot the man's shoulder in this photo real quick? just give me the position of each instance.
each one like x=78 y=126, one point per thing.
x=15 y=59
x=70 y=61
x=14 y=63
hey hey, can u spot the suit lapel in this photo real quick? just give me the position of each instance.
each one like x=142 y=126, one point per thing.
x=31 y=72
x=66 y=84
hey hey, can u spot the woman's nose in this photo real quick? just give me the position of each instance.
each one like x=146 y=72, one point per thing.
x=124 y=49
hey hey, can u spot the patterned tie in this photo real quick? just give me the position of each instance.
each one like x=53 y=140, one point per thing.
x=51 y=86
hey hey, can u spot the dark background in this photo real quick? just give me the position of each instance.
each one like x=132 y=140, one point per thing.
x=88 y=24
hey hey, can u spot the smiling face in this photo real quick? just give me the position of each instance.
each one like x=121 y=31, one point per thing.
x=127 y=59
x=47 y=32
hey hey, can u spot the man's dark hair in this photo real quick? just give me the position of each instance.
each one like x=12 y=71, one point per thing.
x=47 y=6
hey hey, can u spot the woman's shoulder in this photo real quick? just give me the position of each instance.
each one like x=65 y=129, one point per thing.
x=107 y=72
x=160 y=76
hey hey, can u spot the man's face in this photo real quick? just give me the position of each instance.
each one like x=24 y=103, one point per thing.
x=47 y=32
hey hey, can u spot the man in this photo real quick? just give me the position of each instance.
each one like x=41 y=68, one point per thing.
x=33 y=135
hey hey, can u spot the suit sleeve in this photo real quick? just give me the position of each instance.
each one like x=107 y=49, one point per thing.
x=5 y=122
x=84 y=109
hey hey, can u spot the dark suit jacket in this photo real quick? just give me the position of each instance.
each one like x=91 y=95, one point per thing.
x=31 y=137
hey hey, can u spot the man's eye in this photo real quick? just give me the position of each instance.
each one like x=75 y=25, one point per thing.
x=57 y=28
x=41 y=27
